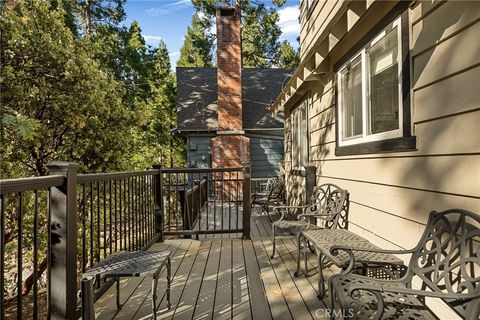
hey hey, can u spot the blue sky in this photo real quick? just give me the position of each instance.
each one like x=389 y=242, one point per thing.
x=169 y=19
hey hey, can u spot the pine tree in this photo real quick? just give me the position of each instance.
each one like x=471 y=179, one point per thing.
x=55 y=97
x=288 y=57
x=197 y=47
x=260 y=31
x=162 y=104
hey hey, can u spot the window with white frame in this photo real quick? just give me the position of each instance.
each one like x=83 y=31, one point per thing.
x=369 y=88
x=299 y=122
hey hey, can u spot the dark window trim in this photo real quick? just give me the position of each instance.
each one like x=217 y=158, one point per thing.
x=407 y=142
x=388 y=145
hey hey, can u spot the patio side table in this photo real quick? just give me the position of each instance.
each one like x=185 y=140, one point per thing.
x=126 y=264
x=380 y=265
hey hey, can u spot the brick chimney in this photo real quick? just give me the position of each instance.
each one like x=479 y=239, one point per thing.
x=230 y=148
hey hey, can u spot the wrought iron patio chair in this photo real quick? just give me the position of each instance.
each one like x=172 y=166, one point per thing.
x=327 y=209
x=273 y=195
x=445 y=264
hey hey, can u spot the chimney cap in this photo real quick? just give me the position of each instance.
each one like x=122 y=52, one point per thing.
x=227 y=10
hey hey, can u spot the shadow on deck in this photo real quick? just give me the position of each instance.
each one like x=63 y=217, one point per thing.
x=222 y=277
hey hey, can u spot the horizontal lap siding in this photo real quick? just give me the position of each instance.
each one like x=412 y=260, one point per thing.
x=311 y=29
x=265 y=153
x=392 y=193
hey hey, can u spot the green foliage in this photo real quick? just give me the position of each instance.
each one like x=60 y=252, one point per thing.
x=260 y=31
x=288 y=57
x=197 y=49
x=89 y=97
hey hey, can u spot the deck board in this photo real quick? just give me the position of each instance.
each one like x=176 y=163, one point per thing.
x=223 y=291
x=206 y=297
x=191 y=290
x=223 y=277
x=240 y=291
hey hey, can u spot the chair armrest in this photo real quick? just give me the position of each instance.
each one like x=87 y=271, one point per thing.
x=335 y=248
x=283 y=209
x=289 y=207
x=316 y=215
x=353 y=291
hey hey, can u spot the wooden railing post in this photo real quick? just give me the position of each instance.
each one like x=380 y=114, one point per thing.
x=246 y=208
x=158 y=200
x=62 y=287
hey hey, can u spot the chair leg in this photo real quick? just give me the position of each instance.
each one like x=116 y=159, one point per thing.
x=154 y=297
x=119 y=305
x=305 y=256
x=273 y=241
x=310 y=247
x=332 y=299
x=169 y=281
x=321 y=284
x=297 y=272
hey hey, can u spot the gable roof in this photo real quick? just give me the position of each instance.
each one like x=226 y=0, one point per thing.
x=197 y=98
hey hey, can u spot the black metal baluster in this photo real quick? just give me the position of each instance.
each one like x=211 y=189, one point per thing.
x=122 y=197
x=198 y=207
x=35 y=254
x=20 y=255
x=2 y=255
x=144 y=223
x=169 y=183
x=237 y=184
x=176 y=197
x=230 y=200
x=138 y=213
x=127 y=209
x=149 y=207
x=222 y=195
x=99 y=248
x=152 y=197
x=84 y=231
x=207 y=208
x=135 y=201
x=124 y=215
x=115 y=214
x=186 y=186
x=215 y=182
x=130 y=215
x=142 y=214
x=49 y=241
x=104 y=219
x=91 y=225
x=142 y=209
x=110 y=214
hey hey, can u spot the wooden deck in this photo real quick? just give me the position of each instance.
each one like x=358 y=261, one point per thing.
x=223 y=277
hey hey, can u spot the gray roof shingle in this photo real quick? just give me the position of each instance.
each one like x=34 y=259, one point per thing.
x=197 y=98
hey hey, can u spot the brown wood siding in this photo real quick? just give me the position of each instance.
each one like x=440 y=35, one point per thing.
x=392 y=193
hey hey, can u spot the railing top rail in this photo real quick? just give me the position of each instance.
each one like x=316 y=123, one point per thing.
x=98 y=177
x=200 y=170
x=30 y=183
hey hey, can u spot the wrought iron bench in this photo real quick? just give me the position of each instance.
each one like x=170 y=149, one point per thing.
x=328 y=204
x=126 y=264
x=272 y=195
x=445 y=263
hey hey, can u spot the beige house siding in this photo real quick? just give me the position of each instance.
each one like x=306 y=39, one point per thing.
x=392 y=193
